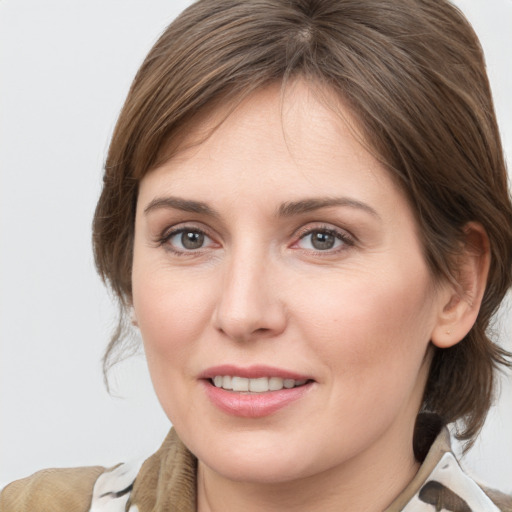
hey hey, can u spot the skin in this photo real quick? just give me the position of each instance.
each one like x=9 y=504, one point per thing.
x=357 y=318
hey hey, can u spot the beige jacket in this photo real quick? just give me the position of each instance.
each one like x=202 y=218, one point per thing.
x=166 y=482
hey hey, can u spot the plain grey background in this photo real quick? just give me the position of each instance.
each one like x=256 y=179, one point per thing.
x=65 y=68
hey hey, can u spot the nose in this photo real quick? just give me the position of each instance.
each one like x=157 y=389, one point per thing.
x=249 y=305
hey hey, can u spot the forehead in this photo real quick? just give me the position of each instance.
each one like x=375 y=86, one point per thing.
x=280 y=146
x=302 y=121
x=297 y=95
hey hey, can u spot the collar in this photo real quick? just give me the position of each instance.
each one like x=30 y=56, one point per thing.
x=441 y=483
x=167 y=481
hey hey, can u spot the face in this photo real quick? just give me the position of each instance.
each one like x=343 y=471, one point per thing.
x=280 y=289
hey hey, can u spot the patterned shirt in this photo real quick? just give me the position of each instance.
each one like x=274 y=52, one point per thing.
x=166 y=482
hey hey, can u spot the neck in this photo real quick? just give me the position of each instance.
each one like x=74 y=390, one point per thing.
x=369 y=483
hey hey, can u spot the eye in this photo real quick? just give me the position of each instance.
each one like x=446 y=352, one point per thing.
x=324 y=239
x=187 y=240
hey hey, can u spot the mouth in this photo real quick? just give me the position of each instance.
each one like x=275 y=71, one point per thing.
x=254 y=391
x=255 y=385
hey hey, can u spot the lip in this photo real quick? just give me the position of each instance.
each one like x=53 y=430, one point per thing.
x=252 y=372
x=253 y=405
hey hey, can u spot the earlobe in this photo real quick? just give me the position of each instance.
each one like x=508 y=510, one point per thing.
x=460 y=302
x=454 y=321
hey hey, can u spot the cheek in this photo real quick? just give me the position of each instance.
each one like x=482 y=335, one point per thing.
x=367 y=327
x=373 y=340
x=172 y=312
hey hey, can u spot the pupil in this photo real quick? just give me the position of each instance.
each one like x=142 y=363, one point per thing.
x=322 y=241
x=192 y=240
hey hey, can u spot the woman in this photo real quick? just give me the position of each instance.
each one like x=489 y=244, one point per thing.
x=305 y=213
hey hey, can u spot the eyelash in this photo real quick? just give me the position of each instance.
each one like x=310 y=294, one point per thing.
x=346 y=239
x=165 y=238
x=339 y=235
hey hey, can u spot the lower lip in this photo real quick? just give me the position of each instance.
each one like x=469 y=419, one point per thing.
x=253 y=405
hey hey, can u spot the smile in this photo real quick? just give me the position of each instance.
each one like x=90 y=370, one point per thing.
x=254 y=391
x=259 y=385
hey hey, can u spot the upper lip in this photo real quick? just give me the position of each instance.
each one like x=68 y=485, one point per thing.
x=251 y=372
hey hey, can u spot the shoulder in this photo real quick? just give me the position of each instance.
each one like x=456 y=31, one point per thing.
x=441 y=483
x=449 y=485
x=169 y=474
x=86 y=489
x=51 y=490
x=502 y=500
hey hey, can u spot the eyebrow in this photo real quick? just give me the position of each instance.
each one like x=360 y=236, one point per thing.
x=185 y=205
x=288 y=209
x=308 y=205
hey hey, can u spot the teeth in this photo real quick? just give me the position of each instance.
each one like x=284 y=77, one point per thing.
x=260 y=385
x=289 y=383
x=226 y=382
x=275 y=383
x=239 y=383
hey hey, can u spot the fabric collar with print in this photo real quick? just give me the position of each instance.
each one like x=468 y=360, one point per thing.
x=439 y=485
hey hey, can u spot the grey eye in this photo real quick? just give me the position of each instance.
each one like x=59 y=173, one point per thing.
x=322 y=241
x=192 y=240
x=183 y=240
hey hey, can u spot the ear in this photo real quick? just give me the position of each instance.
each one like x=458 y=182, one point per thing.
x=461 y=300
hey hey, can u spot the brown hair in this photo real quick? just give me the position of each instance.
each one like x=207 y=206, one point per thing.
x=412 y=72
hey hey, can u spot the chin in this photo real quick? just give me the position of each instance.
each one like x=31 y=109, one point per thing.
x=259 y=468
x=262 y=457
x=250 y=456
